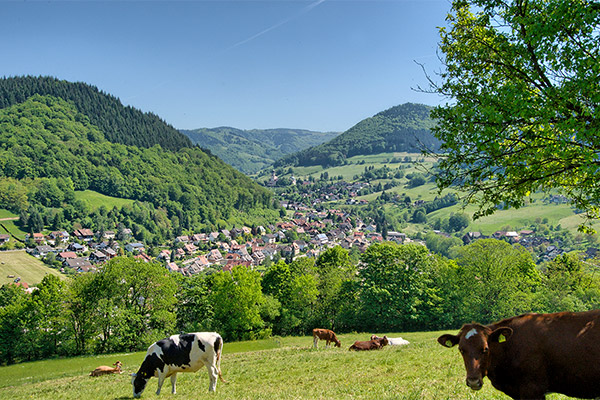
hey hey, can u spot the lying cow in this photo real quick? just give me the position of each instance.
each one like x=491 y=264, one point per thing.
x=533 y=354
x=373 y=344
x=180 y=353
x=327 y=335
x=104 y=370
x=393 y=341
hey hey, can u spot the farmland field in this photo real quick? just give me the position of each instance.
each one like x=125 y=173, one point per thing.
x=280 y=368
x=20 y=264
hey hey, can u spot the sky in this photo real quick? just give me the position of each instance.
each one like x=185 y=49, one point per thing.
x=322 y=65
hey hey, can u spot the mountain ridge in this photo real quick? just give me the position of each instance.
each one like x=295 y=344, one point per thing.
x=405 y=127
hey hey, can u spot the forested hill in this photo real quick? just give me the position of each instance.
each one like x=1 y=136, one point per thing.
x=252 y=150
x=48 y=150
x=119 y=124
x=404 y=128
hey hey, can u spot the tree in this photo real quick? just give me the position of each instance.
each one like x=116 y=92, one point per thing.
x=333 y=268
x=494 y=280
x=237 y=300
x=390 y=285
x=522 y=78
x=458 y=222
x=136 y=301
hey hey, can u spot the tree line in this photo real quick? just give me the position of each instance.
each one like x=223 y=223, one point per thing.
x=392 y=288
x=119 y=124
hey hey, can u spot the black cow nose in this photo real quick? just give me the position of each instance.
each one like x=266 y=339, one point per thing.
x=474 y=384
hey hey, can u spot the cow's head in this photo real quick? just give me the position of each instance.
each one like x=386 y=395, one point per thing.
x=384 y=341
x=138 y=381
x=476 y=343
x=337 y=342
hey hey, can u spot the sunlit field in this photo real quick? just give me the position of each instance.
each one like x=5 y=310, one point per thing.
x=28 y=268
x=279 y=368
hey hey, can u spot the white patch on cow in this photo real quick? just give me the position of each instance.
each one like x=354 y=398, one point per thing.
x=471 y=333
x=175 y=339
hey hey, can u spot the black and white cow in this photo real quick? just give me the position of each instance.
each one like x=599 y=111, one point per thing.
x=180 y=353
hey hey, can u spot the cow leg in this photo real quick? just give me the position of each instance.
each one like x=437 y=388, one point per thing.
x=161 y=379
x=173 y=381
x=327 y=344
x=315 y=340
x=212 y=374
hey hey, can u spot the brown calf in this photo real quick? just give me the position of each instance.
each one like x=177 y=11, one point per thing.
x=373 y=344
x=533 y=354
x=327 y=335
x=104 y=370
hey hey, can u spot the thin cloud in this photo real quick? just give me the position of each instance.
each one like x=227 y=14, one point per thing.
x=277 y=25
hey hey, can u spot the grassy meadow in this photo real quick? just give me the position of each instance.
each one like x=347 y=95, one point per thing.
x=277 y=368
x=95 y=200
x=28 y=268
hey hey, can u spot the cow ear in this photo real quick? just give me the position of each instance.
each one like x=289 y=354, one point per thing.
x=448 y=340
x=500 y=335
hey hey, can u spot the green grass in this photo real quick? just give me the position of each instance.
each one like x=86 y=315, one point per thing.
x=282 y=368
x=13 y=229
x=25 y=266
x=7 y=214
x=95 y=200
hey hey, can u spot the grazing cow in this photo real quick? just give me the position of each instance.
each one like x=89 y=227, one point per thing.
x=393 y=341
x=327 y=335
x=104 y=370
x=373 y=344
x=533 y=354
x=180 y=353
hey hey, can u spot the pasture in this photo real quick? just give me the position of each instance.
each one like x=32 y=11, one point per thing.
x=95 y=200
x=277 y=368
x=28 y=268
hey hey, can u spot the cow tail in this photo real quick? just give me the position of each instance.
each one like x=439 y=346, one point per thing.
x=219 y=352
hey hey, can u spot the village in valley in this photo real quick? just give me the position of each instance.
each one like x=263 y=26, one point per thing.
x=309 y=230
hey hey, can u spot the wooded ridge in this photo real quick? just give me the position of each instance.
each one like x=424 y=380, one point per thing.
x=404 y=128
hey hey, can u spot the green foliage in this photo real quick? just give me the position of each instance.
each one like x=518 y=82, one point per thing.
x=522 y=80
x=390 y=285
x=571 y=284
x=118 y=123
x=46 y=152
x=237 y=298
x=401 y=128
x=441 y=244
x=494 y=280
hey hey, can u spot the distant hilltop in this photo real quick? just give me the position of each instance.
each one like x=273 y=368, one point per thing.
x=252 y=150
x=404 y=128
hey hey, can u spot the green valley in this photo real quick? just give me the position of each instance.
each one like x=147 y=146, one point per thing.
x=252 y=150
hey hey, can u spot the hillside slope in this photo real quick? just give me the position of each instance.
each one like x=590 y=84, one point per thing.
x=252 y=150
x=118 y=123
x=48 y=149
x=404 y=128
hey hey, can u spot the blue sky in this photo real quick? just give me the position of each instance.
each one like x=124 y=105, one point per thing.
x=319 y=65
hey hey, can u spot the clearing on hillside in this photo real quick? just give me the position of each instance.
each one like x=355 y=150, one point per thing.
x=19 y=264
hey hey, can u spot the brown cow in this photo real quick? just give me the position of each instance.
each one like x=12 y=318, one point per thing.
x=373 y=344
x=327 y=335
x=104 y=370
x=533 y=354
